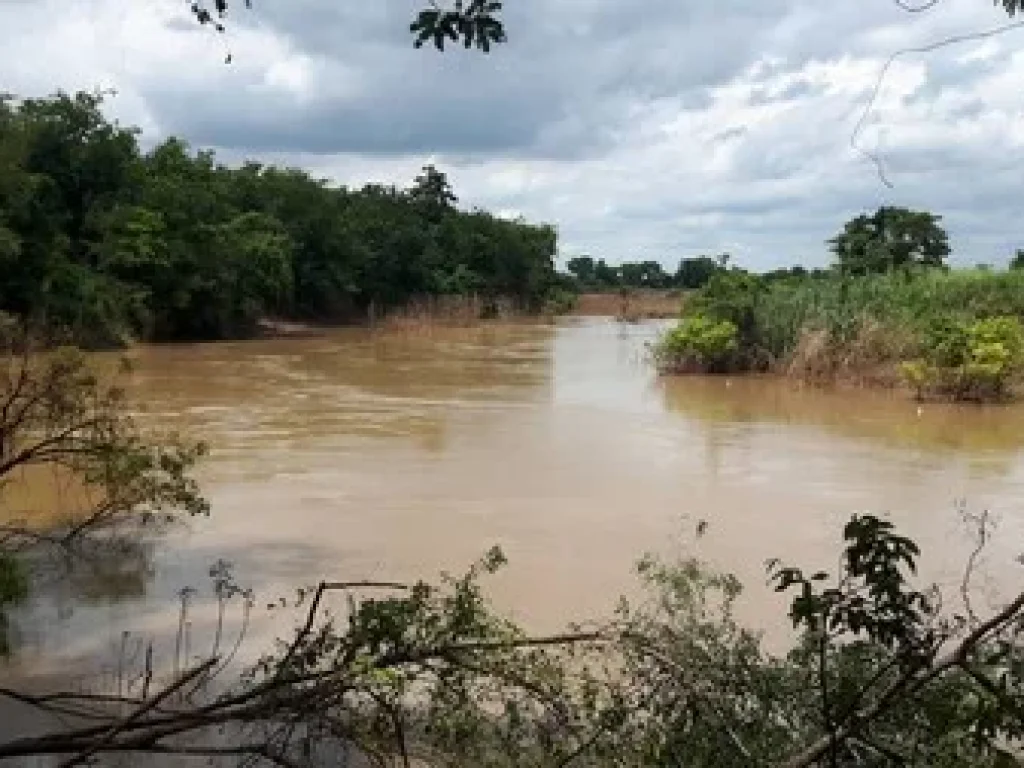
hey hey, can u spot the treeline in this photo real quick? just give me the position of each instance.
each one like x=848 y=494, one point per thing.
x=585 y=274
x=104 y=240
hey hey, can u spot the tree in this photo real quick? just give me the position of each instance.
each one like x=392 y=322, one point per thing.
x=605 y=275
x=583 y=269
x=432 y=191
x=891 y=238
x=429 y=675
x=1017 y=262
x=696 y=272
x=109 y=243
x=61 y=417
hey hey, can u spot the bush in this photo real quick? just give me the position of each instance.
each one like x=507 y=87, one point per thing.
x=731 y=296
x=968 y=360
x=949 y=333
x=560 y=301
x=699 y=344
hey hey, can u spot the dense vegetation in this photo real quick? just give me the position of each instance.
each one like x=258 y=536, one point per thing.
x=889 y=311
x=102 y=239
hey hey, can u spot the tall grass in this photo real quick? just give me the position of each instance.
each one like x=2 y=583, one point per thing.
x=842 y=328
x=898 y=305
x=429 y=312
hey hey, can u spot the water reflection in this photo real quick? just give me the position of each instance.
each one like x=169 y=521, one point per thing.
x=888 y=418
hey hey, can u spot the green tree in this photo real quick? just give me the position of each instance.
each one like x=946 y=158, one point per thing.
x=583 y=269
x=432 y=190
x=696 y=272
x=1017 y=262
x=63 y=418
x=605 y=275
x=64 y=168
x=891 y=238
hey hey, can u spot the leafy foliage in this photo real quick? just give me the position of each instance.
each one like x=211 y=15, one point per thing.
x=876 y=328
x=59 y=417
x=968 y=360
x=104 y=241
x=472 y=22
x=891 y=238
x=597 y=275
x=698 y=344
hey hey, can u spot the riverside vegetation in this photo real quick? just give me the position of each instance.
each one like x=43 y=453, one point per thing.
x=108 y=242
x=888 y=313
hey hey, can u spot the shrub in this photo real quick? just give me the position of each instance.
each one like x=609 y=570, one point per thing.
x=731 y=296
x=699 y=344
x=560 y=302
x=968 y=360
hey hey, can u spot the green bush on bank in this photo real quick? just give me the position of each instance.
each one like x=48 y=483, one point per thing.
x=968 y=360
x=873 y=327
x=700 y=344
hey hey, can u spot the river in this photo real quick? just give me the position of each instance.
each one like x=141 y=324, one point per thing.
x=359 y=455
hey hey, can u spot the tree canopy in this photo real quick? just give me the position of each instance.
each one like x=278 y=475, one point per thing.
x=103 y=239
x=890 y=238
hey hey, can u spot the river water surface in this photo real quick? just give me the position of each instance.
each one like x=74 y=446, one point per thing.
x=354 y=455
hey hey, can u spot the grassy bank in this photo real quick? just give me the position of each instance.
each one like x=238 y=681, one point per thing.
x=953 y=334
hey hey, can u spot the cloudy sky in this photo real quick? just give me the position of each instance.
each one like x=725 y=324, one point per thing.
x=656 y=129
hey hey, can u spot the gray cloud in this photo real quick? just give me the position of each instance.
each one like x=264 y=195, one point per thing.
x=659 y=129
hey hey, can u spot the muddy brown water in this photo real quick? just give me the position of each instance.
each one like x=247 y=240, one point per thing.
x=352 y=455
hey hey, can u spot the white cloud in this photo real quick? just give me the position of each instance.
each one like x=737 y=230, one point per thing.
x=690 y=127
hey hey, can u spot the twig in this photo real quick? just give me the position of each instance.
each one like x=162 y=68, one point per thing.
x=138 y=713
x=914 y=678
x=323 y=587
x=965 y=584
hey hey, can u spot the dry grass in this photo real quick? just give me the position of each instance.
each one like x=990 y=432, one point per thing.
x=871 y=357
x=633 y=307
x=429 y=315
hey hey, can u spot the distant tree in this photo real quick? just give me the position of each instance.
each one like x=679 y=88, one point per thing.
x=431 y=188
x=890 y=238
x=1017 y=262
x=582 y=268
x=605 y=275
x=695 y=272
x=796 y=272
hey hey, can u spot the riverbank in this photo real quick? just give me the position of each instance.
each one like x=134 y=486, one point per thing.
x=942 y=334
x=423 y=316
x=632 y=306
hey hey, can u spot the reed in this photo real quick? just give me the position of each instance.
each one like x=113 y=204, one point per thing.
x=857 y=330
x=631 y=307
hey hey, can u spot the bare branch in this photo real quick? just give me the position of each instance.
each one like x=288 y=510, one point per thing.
x=148 y=706
x=914 y=678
